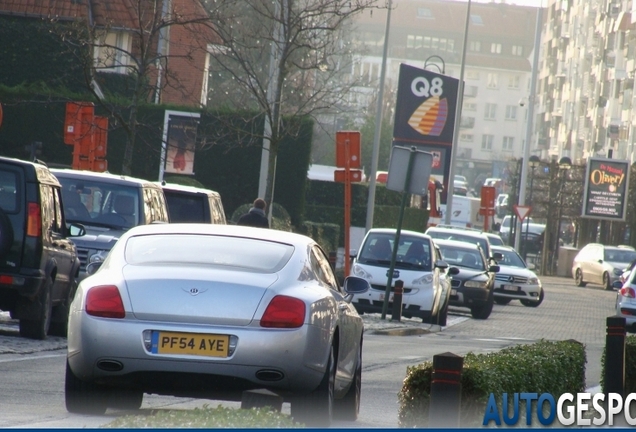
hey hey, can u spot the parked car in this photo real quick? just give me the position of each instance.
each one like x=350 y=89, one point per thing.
x=626 y=301
x=417 y=264
x=494 y=239
x=600 y=264
x=501 y=204
x=460 y=185
x=38 y=261
x=515 y=281
x=204 y=310
x=470 y=235
x=505 y=227
x=192 y=204
x=472 y=279
x=107 y=205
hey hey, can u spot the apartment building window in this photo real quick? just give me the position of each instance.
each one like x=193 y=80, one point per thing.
x=465 y=137
x=424 y=13
x=111 y=52
x=435 y=43
x=467 y=122
x=476 y=19
x=470 y=91
x=511 y=112
x=474 y=46
x=508 y=143
x=514 y=82
x=495 y=48
x=493 y=81
x=517 y=50
x=472 y=75
x=490 y=111
x=470 y=106
x=486 y=142
x=427 y=42
x=413 y=41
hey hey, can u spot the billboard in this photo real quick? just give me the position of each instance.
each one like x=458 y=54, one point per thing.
x=179 y=140
x=425 y=116
x=605 y=192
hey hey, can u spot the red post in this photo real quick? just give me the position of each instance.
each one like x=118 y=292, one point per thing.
x=347 y=157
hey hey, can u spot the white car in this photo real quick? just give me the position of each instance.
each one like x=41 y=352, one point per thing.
x=515 y=281
x=626 y=300
x=418 y=264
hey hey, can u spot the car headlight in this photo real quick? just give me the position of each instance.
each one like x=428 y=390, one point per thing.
x=424 y=280
x=474 y=284
x=618 y=272
x=99 y=256
x=360 y=272
x=533 y=281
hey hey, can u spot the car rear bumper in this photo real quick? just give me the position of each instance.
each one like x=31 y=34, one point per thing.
x=467 y=297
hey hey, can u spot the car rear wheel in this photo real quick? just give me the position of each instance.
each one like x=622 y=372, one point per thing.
x=39 y=328
x=578 y=278
x=6 y=234
x=59 y=317
x=125 y=399
x=316 y=408
x=607 y=282
x=349 y=407
x=82 y=397
x=533 y=303
x=502 y=300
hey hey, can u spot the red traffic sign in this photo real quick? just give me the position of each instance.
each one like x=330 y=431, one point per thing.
x=348 y=149
x=355 y=176
x=522 y=211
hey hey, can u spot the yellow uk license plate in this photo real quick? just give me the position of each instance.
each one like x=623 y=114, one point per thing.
x=209 y=345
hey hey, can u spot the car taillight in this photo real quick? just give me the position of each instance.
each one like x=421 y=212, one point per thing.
x=628 y=292
x=105 y=301
x=284 y=312
x=34 y=220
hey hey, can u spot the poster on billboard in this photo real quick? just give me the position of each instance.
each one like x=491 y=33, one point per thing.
x=180 y=133
x=425 y=116
x=605 y=192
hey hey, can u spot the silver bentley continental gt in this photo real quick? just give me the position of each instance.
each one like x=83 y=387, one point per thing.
x=210 y=311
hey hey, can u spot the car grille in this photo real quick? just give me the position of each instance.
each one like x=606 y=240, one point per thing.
x=511 y=279
x=82 y=254
x=383 y=288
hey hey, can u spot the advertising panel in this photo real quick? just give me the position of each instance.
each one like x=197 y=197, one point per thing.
x=425 y=116
x=605 y=193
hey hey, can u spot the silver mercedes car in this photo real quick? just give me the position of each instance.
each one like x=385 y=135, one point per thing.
x=200 y=310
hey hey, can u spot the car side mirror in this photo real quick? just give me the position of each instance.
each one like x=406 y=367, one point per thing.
x=497 y=256
x=353 y=253
x=76 y=230
x=617 y=285
x=355 y=285
x=453 y=270
x=494 y=269
x=441 y=264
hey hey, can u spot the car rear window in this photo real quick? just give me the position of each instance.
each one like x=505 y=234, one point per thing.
x=186 y=208
x=208 y=250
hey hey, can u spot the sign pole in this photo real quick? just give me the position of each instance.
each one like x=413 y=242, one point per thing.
x=347 y=207
x=389 y=280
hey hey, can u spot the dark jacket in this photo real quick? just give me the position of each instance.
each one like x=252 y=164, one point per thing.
x=255 y=217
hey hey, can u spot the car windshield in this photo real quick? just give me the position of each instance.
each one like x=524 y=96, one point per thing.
x=510 y=258
x=460 y=257
x=495 y=240
x=619 y=255
x=208 y=250
x=100 y=203
x=414 y=253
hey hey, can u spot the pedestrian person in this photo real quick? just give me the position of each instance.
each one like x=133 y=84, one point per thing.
x=256 y=217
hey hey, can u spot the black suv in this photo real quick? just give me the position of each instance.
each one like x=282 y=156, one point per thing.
x=107 y=205
x=38 y=263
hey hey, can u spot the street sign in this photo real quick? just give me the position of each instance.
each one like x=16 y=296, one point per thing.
x=522 y=211
x=348 y=147
x=421 y=172
x=356 y=176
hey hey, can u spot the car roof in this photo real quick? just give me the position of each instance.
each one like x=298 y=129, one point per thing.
x=457 y=243
x=102 y=176
x=185 y=188
x=273 y=235
x=458 y=229
x=392 y=231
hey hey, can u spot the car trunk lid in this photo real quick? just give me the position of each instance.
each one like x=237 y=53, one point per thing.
x=195 y=295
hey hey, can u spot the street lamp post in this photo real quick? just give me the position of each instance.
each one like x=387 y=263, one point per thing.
x=565 y=163
x=533 y=162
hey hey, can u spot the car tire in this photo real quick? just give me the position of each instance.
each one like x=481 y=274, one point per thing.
x=483 y=311
x=6 y=234
x=59 y=317
x=502 y=300
x=39 y=328
x=607 y=282
x=348 y=408
x=125 y=399
x=315 y=409
x=533 y=303
x=578 y=278
x=82 y=397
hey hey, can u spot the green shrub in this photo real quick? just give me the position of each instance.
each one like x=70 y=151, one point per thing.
x=630 y=365
x=542 y=367
x=325 y=234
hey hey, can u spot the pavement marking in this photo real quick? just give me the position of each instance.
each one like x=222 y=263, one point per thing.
x=32 y=357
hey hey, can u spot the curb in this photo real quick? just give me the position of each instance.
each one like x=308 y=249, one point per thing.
x=406 y=331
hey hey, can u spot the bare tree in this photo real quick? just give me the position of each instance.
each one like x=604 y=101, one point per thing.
x=282 y=58
x=149 y=43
